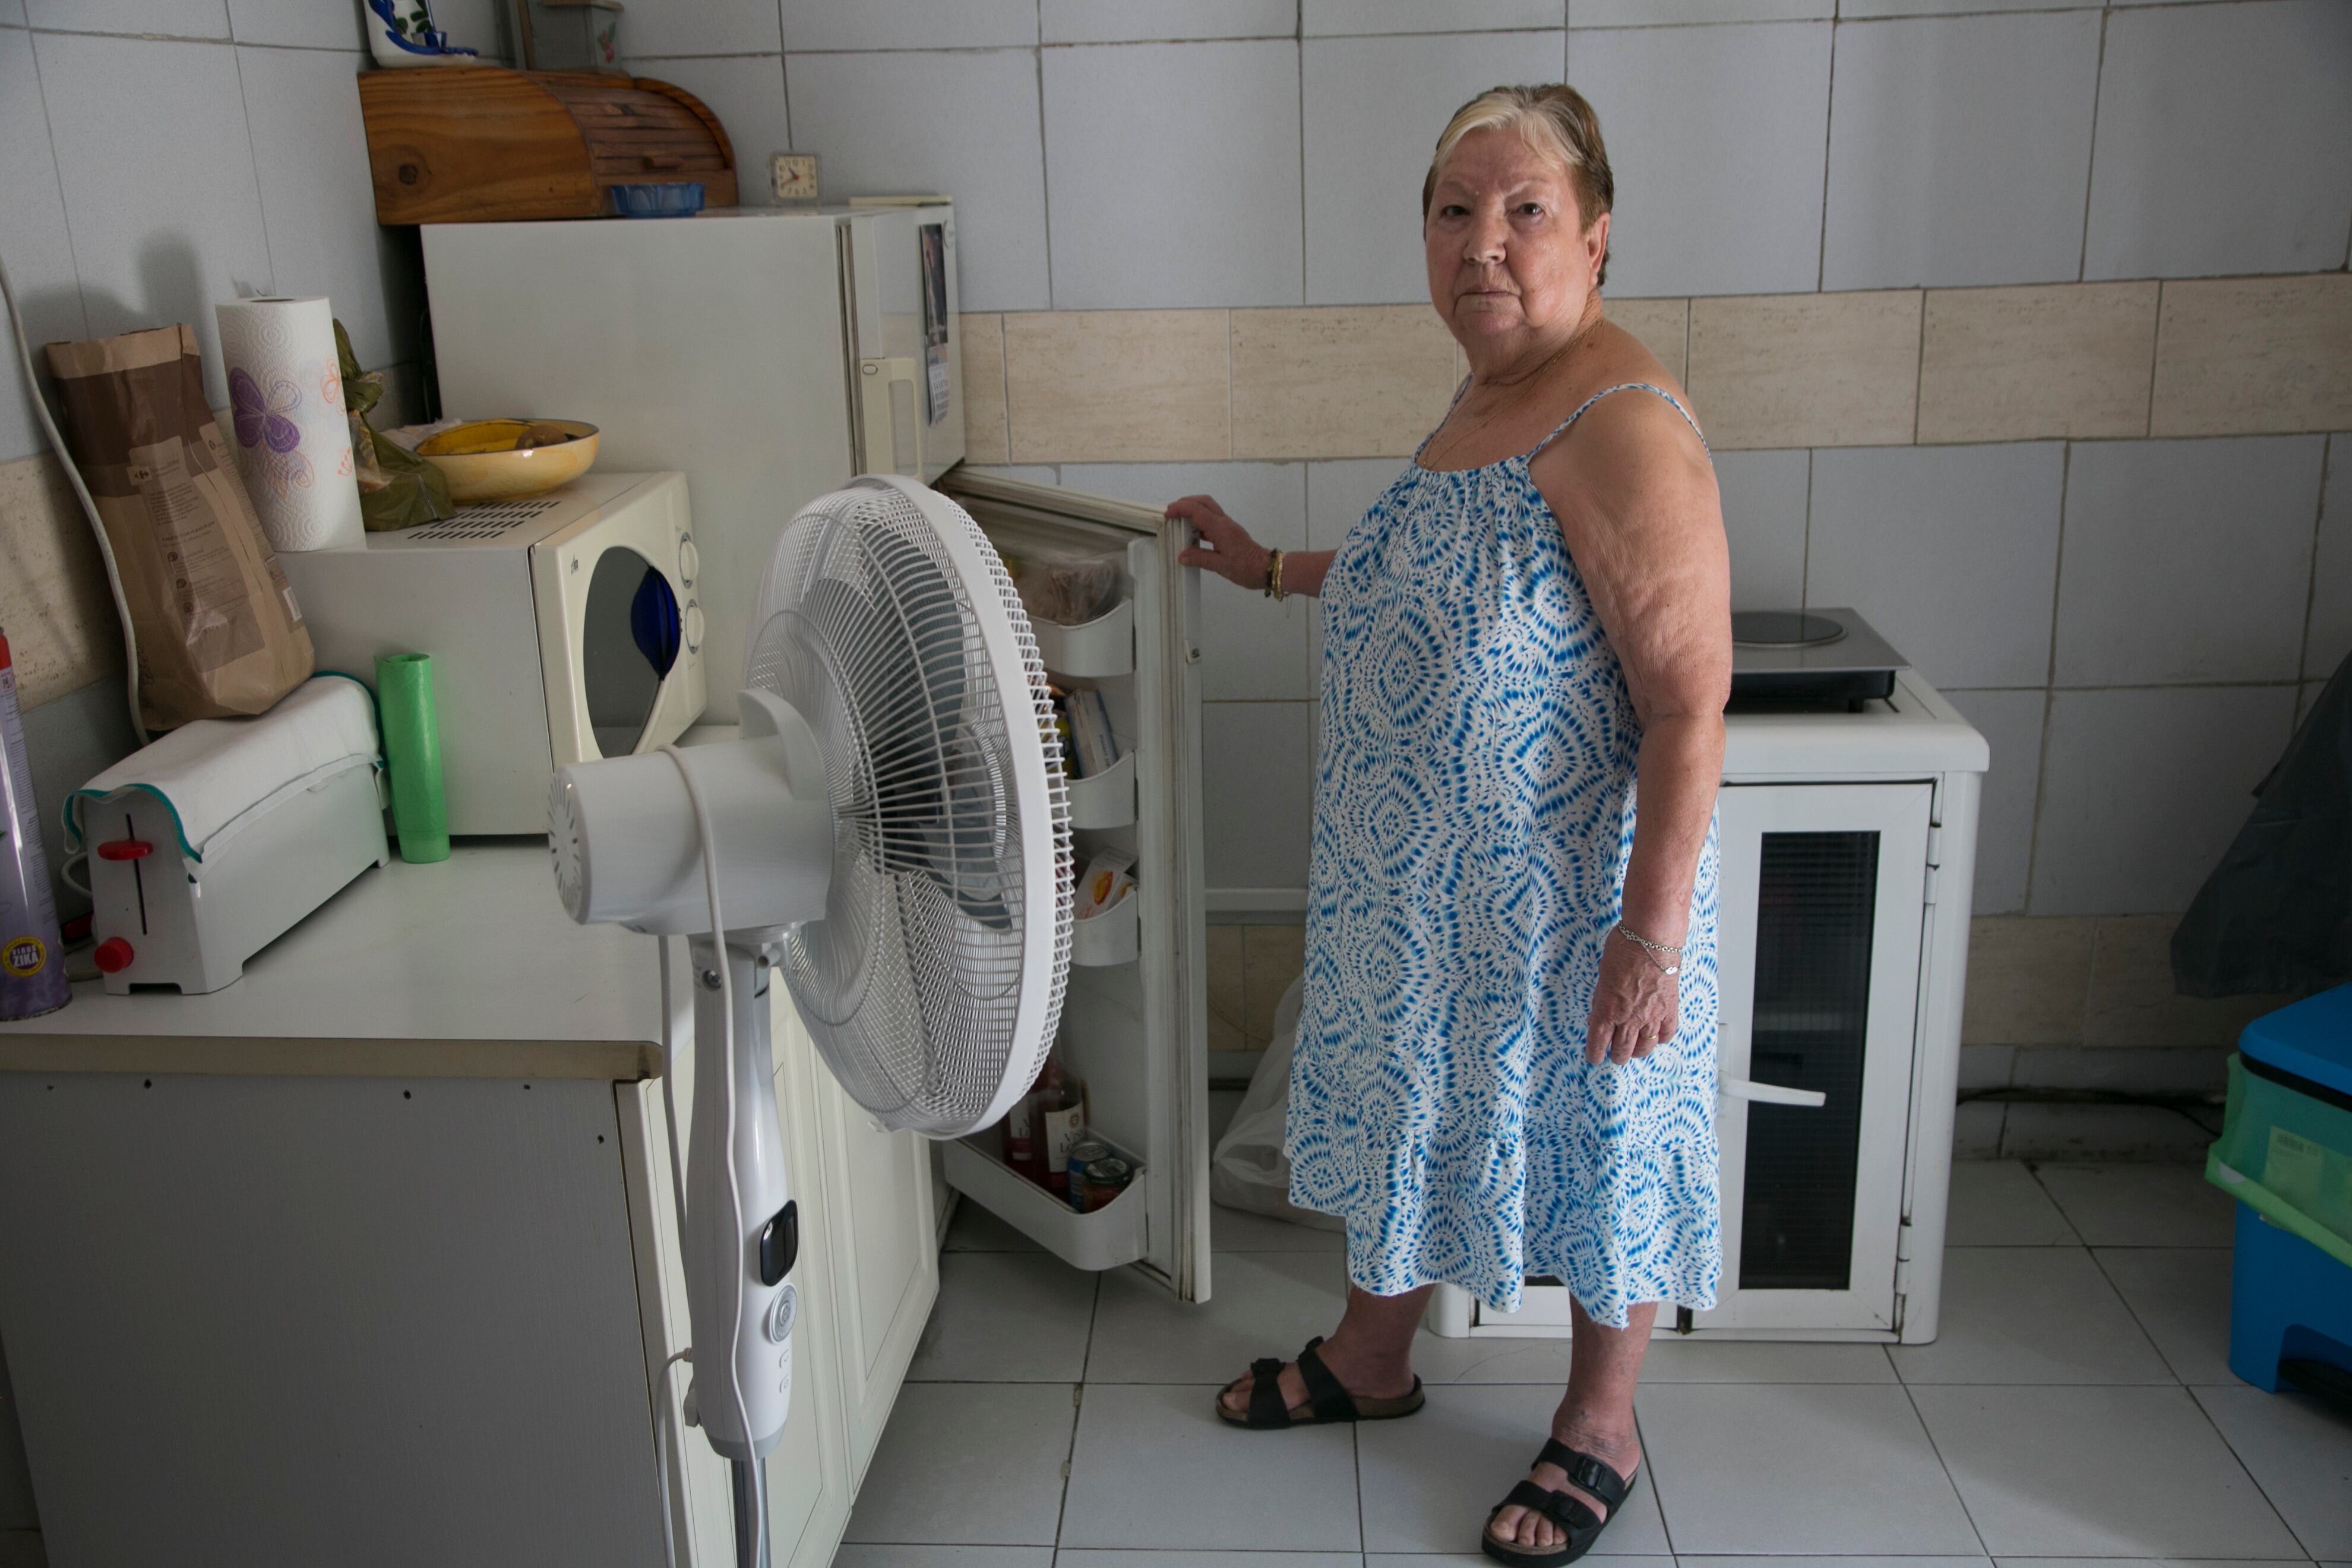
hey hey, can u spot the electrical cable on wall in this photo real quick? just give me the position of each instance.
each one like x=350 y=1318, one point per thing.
x=88 y=505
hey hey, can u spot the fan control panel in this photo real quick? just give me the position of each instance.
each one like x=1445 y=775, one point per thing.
x=779 y=1243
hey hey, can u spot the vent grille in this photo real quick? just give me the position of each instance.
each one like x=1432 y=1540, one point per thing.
x=1816 y=916
x=486 y=520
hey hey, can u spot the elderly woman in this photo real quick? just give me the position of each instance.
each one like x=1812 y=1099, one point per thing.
x=1505 y=1057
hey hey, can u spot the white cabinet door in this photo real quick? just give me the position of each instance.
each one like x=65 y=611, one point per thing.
x=810 y=1485
x=1819 y=946
x=1134 y=1021
x=885 y=1262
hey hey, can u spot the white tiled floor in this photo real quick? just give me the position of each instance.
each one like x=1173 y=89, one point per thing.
x=2076 y=1410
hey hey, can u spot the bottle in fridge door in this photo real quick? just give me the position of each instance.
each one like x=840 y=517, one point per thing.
x=1117 y=623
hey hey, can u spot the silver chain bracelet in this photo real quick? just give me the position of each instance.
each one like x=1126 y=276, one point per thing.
x=1651 y=951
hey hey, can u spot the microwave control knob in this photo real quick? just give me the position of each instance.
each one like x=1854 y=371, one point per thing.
x=689 y=559
x=694 y=627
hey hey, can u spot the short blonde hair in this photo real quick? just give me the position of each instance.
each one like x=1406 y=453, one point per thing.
x=1554 y=119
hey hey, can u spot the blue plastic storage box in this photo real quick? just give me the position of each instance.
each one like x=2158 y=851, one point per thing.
x=2285 y=1154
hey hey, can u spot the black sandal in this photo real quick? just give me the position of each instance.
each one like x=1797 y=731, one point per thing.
x=1571 y=1513
x=1326 y=1399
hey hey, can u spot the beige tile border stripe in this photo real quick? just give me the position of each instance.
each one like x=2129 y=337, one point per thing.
x=2063 y=362
x=2071 y=361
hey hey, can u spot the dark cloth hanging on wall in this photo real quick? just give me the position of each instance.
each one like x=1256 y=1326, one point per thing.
x=2276 y=914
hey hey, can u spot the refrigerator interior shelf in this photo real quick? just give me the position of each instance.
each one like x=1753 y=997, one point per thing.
x=1105 y=800
x=1114 y=936
x=1106 y=1238
x=1104 y=646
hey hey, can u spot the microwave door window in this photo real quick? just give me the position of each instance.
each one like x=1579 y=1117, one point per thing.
x=629 y=640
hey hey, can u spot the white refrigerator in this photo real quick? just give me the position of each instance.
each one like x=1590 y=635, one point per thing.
x=772 y=356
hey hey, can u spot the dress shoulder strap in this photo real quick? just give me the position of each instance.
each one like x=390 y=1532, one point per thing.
x=1426 y=440
x=1621 y=386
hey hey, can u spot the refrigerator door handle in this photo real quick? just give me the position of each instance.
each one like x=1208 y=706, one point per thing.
x=878 y=378
x=1771 y=1093
x=1186 y=537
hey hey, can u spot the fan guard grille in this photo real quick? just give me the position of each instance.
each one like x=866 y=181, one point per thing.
x=912 y=984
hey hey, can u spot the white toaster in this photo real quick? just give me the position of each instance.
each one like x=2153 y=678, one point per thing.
x=561 y=627
x=212 y=842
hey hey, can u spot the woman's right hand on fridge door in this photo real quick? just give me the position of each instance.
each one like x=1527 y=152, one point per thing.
x=1222 y=546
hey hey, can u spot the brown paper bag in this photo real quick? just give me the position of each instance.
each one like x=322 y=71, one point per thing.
x=219 y=634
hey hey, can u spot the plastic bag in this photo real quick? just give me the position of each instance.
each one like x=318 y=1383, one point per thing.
x=1068 y=590
x=1249 y=1170
x=2276 y=914
x=398 y=488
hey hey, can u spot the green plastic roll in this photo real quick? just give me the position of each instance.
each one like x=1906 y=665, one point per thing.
x=411 y=755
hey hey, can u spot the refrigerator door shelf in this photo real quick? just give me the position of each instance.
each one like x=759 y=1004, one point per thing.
x=1105 y=800
x=1109 y=1238
x=1102 y=646
x=1114 y=936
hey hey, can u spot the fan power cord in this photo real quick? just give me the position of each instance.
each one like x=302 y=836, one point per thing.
x=669 y=1094
x=678 y=1440
x=757 y=1485
x=89 y=507
x=677 y=1208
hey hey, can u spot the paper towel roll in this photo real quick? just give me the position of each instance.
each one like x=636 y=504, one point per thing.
x=293 y=438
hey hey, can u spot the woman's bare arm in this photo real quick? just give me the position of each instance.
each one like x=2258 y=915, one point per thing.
x=1636 y=499
x=1226 y=549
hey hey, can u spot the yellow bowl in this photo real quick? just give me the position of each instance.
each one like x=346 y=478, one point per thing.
x=481 y=461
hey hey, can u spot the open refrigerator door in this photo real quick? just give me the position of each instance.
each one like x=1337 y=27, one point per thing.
x=1134 y=1019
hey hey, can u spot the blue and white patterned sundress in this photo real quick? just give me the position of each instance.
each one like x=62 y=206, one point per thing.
x=1474 y=812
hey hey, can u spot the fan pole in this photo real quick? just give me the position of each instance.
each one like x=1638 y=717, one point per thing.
x=751 y=1512
x=742 y=1233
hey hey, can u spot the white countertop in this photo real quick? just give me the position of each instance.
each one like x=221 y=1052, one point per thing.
x=469 y=968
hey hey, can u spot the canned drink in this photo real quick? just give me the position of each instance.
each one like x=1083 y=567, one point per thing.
x=1084 y=1153
x=1105 y=1179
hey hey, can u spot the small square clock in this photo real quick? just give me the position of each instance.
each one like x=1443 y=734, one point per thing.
x=796 y=176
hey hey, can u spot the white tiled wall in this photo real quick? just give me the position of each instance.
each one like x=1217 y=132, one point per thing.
x=2142 y=789
x=1126 y=155
x=1366 y=109
x=1765 y=500
x=2147 y=597
x=2329 y=640
x=916 y=121
x=1173 y=174
x=1951 y=552
x=163 y=155
x=1959 y=149
x=2221 y=137
x=1716 y=136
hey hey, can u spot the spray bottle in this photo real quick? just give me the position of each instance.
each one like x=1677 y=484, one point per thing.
x=31 y=966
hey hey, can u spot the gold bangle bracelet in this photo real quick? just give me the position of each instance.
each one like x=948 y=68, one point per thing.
x=1273 y=574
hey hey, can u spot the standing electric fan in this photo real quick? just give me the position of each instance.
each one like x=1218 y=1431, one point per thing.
x=891 y=834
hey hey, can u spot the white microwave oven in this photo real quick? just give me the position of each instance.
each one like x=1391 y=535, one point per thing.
x=561 y=627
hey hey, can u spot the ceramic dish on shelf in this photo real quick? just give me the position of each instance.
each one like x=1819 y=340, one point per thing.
x=503 y=459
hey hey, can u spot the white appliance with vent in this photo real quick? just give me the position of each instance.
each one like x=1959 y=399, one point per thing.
x=1848 y=833
x=770 y=354
x=562 y=627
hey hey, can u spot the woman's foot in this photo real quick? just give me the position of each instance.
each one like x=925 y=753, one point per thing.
x=1620 y=1449
x=1365 y=1375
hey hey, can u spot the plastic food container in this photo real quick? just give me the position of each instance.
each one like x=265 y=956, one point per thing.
x=674 y=198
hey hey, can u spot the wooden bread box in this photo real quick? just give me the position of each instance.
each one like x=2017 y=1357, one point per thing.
x=485 y=145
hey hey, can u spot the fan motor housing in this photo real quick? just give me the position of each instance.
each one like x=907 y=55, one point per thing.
x=628 y=851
